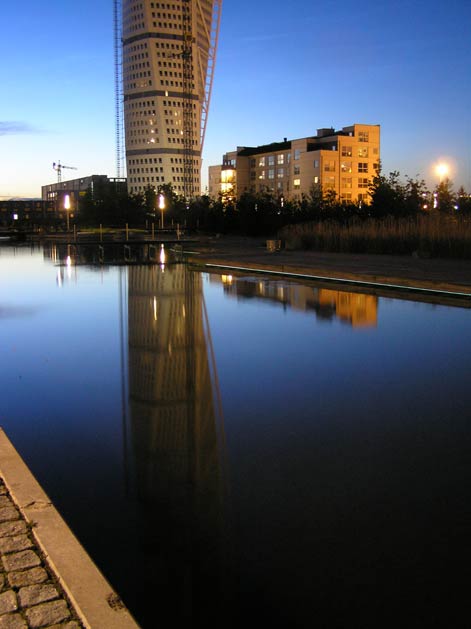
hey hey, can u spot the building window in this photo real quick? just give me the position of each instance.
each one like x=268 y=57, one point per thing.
x=280 y=159
x=261 y=174
x=362 y=167
x=363 y=151
x=261 y=161
x=271 y=173
x=375 y=150
x=280 y=173
x=329 y=183
x=346 y=182
x=363 y=136
x=316 y=163
x=363 y=182
x=297 y=184
x=297 y=153
x=346 y=151
x=271 y=160
x=252 y=162
x=329 y=166
x=346 y=167
x=297 y=170
x=316 y=179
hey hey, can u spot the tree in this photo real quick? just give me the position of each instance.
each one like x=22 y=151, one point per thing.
x=445 y=197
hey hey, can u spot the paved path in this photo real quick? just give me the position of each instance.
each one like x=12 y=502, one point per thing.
x=46 y=577
x=441 y=274
x=30 y=596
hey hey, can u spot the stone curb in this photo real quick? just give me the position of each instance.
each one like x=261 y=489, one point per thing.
x=94 y=600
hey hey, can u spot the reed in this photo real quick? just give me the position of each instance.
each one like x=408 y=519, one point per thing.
x=424 y=235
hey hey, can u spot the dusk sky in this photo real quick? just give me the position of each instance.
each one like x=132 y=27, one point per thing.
x=283 y=69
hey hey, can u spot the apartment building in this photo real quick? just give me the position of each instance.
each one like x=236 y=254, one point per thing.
x=344 y=161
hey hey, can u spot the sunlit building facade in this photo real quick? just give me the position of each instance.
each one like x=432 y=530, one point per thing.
x=343 y=161
x=168 y=61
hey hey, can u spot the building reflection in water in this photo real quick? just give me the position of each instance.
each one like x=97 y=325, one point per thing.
x=177 y=438
x=356 y=309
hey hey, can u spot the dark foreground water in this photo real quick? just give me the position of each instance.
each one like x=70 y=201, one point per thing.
x=237 y=452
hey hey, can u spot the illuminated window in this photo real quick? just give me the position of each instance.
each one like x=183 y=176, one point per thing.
x=363 y=136
x=271 y=173
x=346 y=151
x=280 y=159
x=363 y=182
x=346 y=167
x=363 y=151
x=362 y=167
x=262 y=174
x=297 y=184
x=346 y=182
x=316 y=179
x=280 y=173
x=261 y=161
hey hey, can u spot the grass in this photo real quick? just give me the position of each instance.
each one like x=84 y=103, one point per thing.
x=426 y=236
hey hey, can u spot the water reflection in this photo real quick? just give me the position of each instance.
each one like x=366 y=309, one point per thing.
x=177 y=436
x=355 y=309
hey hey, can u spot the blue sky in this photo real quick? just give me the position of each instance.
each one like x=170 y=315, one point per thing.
x=283 y=70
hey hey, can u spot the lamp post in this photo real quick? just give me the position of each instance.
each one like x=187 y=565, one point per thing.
x=67 y=208
x=161 y=208
x=441 y=170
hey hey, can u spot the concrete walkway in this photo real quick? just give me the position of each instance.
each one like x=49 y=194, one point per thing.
x=434 y=274
x=46 y=577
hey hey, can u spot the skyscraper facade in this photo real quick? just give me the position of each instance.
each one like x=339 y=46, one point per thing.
x=168 y=56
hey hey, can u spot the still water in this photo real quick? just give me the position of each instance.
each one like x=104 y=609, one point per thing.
x=240 y=451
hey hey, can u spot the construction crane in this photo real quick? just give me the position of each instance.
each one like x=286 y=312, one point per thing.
x=58 y=168
x=188 y=135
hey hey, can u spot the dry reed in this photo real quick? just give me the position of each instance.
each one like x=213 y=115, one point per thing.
x=424 y=235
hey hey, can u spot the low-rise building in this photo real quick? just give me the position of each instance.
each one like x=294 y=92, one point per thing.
x=74 y=189
x=343 y=161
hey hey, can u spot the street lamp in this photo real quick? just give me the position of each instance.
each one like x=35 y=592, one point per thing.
x=67 y=208
x=161 y=208
x=442 y=170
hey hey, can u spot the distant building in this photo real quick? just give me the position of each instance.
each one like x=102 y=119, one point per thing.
x=74 y=189
x=16 y=213
x=344 y=161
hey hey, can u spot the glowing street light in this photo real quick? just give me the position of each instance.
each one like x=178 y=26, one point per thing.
x=161 y=208
x=442 y=170
x=67 y=208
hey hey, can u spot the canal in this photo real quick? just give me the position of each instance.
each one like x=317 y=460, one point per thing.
x=243 y=451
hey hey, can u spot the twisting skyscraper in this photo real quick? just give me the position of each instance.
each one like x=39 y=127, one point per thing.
x=168 y=58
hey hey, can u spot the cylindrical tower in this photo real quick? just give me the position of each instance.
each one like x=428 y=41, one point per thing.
x=168 y=62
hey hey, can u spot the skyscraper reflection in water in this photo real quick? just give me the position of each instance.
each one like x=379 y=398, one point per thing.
x=177 y=442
